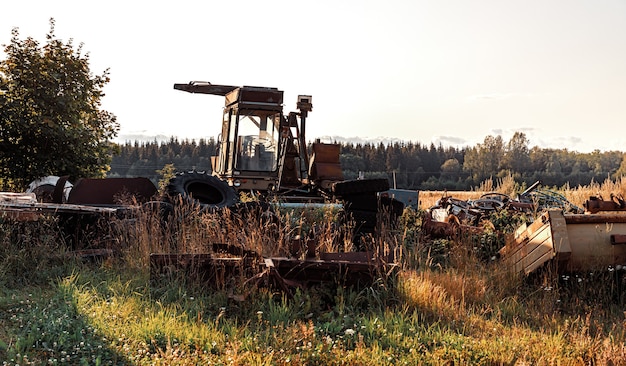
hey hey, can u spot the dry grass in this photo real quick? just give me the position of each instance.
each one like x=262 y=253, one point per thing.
x=429 y=198
x=580 y=194
x=463 y=312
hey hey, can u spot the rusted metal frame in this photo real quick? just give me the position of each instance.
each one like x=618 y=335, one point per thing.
x=286 y=273
x=595 y=218
x=618 y=239
x=108 y=191
x=595 y=204
x=316 y=271
x=203 y=267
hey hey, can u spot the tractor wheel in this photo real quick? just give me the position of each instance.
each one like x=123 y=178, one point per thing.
x=43 y=188
x=360 y=186
x=372 y=202
x=362 y=202
x=203 y=189
x=363 y=219
x=392 y=206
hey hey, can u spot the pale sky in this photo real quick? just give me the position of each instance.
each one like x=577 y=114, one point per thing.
x=442 y=71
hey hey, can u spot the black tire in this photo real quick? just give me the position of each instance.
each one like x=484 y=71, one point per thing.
x=44 y=193
x=203 y=189
x=360 y=186
x=371 y=202
x=487 y=204
x=392 y=206
x=362 y=202
x=504 y=198
x=45 y=189
x=363 y=219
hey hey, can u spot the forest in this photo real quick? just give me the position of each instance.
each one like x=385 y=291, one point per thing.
x=407 y=165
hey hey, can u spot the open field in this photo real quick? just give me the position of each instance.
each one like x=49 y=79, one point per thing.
x=446 y=305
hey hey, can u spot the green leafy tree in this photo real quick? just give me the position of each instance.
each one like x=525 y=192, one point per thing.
x=621 y=171
x=516 y=154
x=484 y=160
x=51 y=121
x=450 y=169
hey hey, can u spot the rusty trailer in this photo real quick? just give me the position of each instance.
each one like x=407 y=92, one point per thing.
x=572 y=242
x=226 y=263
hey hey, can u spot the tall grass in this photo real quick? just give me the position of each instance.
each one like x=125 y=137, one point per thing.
x=446 y=305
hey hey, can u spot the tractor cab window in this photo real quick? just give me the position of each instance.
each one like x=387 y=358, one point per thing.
x=257 y=141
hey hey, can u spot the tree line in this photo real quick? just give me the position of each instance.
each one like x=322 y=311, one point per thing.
x=407 y=165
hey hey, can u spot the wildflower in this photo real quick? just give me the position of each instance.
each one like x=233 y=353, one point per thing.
x=349 y=332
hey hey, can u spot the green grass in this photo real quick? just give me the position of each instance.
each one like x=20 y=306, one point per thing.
x=58 y=310
x=104 y=315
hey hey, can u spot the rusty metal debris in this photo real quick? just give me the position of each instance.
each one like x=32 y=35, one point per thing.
x=450 y=215
x=227 y=262
x=596 y=204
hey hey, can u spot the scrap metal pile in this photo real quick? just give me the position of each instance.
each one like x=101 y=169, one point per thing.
x=554 y=231
x=451 y=216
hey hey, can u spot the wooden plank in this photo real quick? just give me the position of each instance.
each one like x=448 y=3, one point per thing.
x=541 y=237
x=532 y=247
x=540 y=261
x=560 y=237
x=539 y=250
